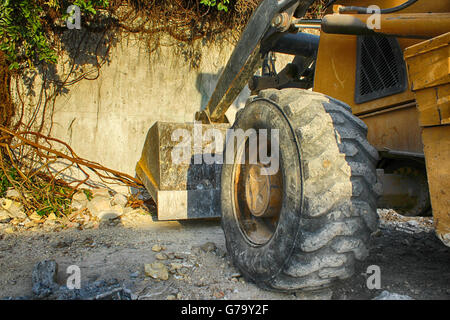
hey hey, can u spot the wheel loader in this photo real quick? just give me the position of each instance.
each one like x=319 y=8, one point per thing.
x=359 y=120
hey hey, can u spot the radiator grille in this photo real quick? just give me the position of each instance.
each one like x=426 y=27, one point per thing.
x=380 y=68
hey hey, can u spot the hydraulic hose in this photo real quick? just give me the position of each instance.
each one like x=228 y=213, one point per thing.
x=363 y=10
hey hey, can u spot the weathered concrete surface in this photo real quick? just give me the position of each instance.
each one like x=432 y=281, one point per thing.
x=106 y=120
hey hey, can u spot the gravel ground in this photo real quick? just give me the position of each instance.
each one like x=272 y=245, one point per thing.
x=412 y=260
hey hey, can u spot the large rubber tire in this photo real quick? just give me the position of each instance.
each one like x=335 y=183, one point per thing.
x=330 y=192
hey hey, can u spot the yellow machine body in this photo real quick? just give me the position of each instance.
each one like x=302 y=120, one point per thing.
x=415 y=121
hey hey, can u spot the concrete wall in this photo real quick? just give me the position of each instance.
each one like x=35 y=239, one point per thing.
x=106 y=120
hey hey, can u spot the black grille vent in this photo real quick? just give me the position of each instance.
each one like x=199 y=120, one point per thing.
x=380 y=68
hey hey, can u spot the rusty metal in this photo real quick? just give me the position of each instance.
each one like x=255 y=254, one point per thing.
x=262 y=191
x=257 y=197
x=281 y=22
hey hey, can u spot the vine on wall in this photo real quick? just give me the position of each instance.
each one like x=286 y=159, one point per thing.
x=33 y=40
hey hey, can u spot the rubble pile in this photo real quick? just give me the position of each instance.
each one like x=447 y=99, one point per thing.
x=389 y=219
x=46 y=287
x=101 y=209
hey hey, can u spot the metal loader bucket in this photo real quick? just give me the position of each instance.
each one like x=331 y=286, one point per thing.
x=180 y=166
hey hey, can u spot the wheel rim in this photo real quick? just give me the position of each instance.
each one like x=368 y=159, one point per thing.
x=257 y=197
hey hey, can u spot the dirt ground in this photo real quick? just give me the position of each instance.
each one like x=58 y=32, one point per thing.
x=412 y=260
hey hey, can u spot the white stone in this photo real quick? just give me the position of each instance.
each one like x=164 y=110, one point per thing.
x=79 y=196
x=5 y=203
x=101 y=192
x=14 y=208
x=101 y=207
x=12 y=194
x=77 y=206
x=99 y=204
x=4 y=214
x=414 y=223
x=386 y=295
x=79 y=201
x=120 y=199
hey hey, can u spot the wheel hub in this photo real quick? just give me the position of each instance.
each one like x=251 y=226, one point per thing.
x=258 y=199
x=262 y=191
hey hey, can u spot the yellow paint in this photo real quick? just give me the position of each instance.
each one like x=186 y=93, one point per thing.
x=429 y=72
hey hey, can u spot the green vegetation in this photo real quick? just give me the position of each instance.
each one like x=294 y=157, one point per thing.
x=5 y=178
x=221 y=5
x=24 y=26
x=39 y=194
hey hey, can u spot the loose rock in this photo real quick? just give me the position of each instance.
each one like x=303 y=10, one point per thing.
x=161 y=256
x=181 y=256
x=35 y=217
x=171 y=255
x=98 y=290
x=101 y=207
x=12 y=194
x=51 y=225
x=175 y=266
x=208 y=247
x=157 y=270
x=61 y=244
x=100 y=192
x=44 y=278
x=4 y=216
x=12 y=208
x=80 y=196
x=10 y=230
x=120 y=199
x=386 y=295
